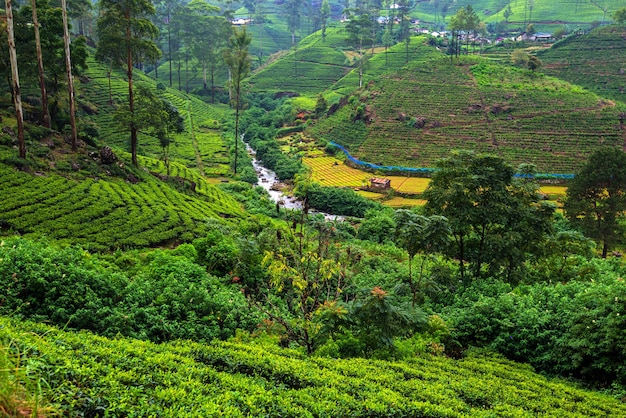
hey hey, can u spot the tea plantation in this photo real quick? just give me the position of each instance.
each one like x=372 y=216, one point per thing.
x=413 y=116
x=83 y=374
x=594 y=61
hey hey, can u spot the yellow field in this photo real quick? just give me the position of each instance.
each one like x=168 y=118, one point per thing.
x=394 y=202
x=330 y=171
x=399 y=202
x=558 y=190
x=411 y=185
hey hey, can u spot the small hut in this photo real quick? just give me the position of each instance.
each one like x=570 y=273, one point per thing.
x=380 y=184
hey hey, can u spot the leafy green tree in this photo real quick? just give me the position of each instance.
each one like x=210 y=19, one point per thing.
x=306 y=271
x=380 y=317
x=465 y=20
x=378 y=226
x=324 y=14
x=496 y=220
x=153 y=116
x=210 y=33
x=237 y=59
x=321 y=105
x=125 y=35
x=596 y=198
x=533 y=63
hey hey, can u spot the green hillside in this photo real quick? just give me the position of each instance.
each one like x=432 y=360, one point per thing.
x=83 y=374
x=415 y=115
x=316 y=64
x=595 y=61
x=574 y=12
x=79 y=199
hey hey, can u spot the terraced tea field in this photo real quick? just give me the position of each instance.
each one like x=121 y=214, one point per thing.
x=104 y=214
x=416 y=116
x=596 y=61
x=200 y=145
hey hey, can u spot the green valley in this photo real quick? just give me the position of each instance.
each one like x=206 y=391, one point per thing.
x=313 y=209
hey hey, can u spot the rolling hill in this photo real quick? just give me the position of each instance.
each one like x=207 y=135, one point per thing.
x=414 y=115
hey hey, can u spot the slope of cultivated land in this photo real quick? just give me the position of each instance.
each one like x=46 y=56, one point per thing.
x=199 y=146
x=565 y=11
x=384 y=60
x=123 y=377
x=316 y=64
x=103 y=212
x=416 y=115
x=596 y=61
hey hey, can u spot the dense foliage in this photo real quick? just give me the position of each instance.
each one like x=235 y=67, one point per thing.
x=167 y=296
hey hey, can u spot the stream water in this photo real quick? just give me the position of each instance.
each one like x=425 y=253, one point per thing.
x=269 y=181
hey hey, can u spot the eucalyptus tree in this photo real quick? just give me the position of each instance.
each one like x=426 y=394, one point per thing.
x=164 y=14
x=237 y=58
x=45 y=112
x=464 y=21
x=404 y=8
x=124 y=34
x=324 y=14
x=70 y=77
x=15 y=77
x=293 y=10
x=210 y=31
x=359 y=34
x=51 y=51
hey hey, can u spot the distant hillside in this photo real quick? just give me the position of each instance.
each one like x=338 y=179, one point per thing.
x=574 y=12
x=415 y=115
x=123 y=377
x=315 y=65
x=596 y=61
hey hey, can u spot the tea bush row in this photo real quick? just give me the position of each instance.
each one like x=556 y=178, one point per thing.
x=248 y=378
x=109 y=213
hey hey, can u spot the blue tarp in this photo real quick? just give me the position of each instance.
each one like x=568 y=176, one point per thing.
x=426 y=170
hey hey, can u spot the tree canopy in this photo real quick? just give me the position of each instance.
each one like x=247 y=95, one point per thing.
x=596 y=198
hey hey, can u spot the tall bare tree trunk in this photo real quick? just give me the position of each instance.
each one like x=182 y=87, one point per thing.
x=70 y=78
x=17 y=97
x=131 y=96
x=45 y=112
